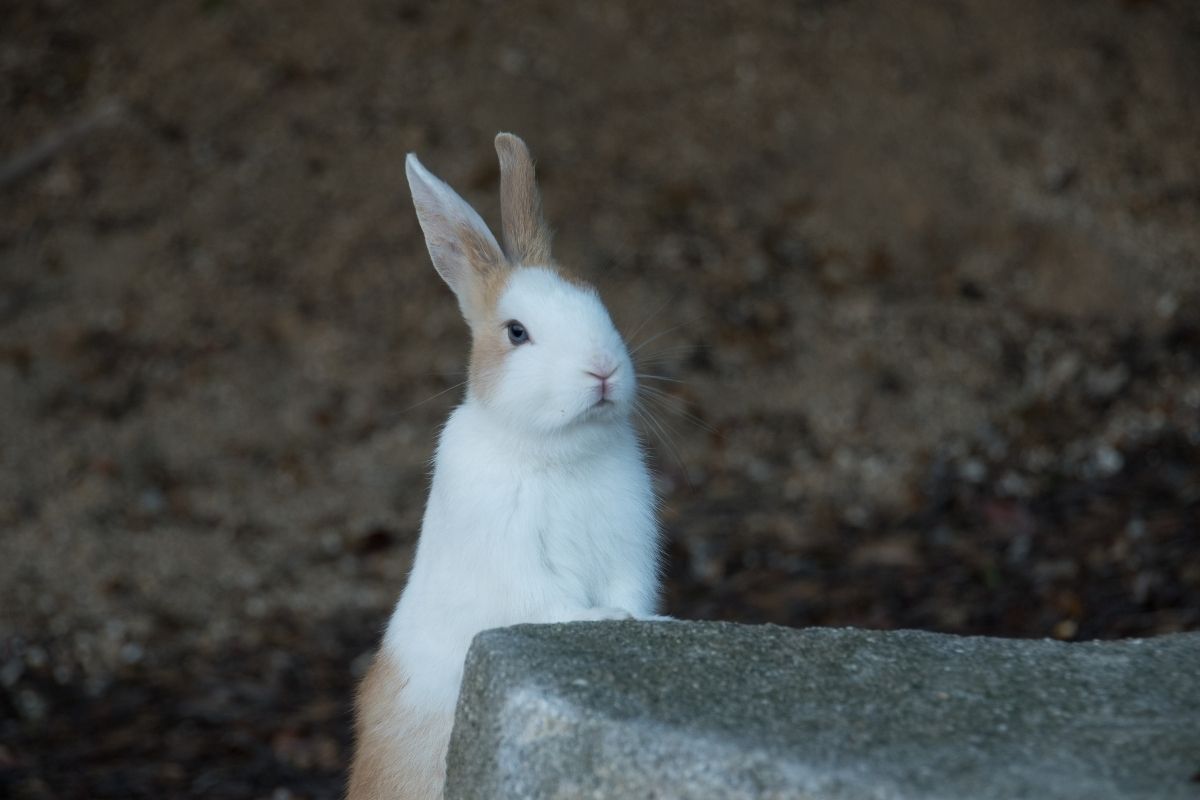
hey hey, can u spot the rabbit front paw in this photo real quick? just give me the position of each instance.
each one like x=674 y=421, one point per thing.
x=594 y=614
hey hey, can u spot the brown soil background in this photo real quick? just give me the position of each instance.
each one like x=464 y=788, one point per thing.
x=928 y=274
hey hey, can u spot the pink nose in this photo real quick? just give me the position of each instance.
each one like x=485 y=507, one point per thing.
x=602 y=374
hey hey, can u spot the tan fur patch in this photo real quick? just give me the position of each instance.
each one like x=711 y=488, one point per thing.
x=480 y=252
x=526 y=236
x=487 y=360
x=570 y=277
x=489 y=345
x=488 y=274
x=399 y=754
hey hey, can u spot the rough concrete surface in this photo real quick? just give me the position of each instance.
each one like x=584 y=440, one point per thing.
x=716 y=710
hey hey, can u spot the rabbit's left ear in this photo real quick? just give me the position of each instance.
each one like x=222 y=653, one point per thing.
x=463 y=250
x=526 y=236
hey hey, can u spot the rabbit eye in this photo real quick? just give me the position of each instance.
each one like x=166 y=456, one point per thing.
x=517 y=333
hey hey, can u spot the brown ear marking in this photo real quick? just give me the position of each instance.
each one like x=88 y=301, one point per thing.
x=491 y=273
x=480 y=253
x=526 y=236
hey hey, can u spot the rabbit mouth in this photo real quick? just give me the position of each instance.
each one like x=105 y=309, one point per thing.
x=603 y=407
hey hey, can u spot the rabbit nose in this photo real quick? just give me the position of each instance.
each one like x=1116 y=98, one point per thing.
x=603 y=373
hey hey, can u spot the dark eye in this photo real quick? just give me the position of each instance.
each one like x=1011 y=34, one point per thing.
x=517 y=333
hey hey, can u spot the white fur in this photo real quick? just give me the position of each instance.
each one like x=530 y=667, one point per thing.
x=540 y=508
x=519 y=530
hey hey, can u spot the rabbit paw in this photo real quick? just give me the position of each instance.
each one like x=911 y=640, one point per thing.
x=594 y=614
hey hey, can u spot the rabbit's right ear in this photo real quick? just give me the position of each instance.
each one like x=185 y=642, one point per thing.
x=526 y=235
x=463 y=250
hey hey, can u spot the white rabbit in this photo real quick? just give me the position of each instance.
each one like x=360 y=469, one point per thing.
x=540 y=508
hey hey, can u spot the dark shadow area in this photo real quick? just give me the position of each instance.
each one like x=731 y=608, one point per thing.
x=241 y=722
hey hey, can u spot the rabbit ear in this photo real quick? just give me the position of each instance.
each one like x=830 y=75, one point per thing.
x=463 y=250
x=526 y=237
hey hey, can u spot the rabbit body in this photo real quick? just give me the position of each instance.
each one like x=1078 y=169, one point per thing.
x=540 y=507
x=517 y=533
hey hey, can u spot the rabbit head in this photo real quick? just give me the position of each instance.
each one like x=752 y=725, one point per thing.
x=545 y=355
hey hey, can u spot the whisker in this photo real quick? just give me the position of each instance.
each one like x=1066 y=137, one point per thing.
x=674 y=433
x=675 y=347
x=670 y=298
x=654 y=390
x=673 y=404
x=458 y=373
x=659 y=378
x=662 y=406
x=657 y=392
x=666 y=354
x=402 y=411
x=663 y=333
x=698 y=423
x=672 y=437
x=656 y=428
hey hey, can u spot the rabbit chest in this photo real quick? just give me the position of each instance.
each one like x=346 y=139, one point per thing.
x=524 y=530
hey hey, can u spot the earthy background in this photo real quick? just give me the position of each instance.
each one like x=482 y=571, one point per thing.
x=928 y=274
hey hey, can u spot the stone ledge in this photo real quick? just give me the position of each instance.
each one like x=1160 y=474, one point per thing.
x=715 y=710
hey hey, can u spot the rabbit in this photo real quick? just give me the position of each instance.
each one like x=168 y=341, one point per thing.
x=540 y=507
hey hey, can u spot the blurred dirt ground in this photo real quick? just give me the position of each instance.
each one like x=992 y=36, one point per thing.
x=928 y=274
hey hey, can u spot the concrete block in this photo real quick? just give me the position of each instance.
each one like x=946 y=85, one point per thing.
x=715 y=710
